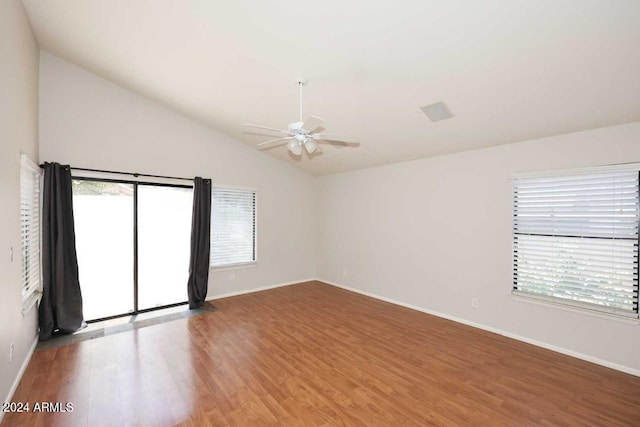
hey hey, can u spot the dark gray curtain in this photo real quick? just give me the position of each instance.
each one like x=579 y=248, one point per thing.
x=61 y=304
x=200 y=241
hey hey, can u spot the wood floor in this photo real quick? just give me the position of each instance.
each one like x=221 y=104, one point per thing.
x=312 y=354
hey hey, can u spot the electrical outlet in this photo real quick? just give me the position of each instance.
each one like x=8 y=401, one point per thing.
x=475 y=302
x=11 y=349
x=232 y=277
x=10 y=253
x=345 y=272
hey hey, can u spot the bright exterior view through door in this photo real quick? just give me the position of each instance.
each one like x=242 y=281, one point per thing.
x=132 y=241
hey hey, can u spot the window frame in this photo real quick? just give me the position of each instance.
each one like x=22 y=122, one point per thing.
x=244 y=264
x=567 y=303
x=30 y=295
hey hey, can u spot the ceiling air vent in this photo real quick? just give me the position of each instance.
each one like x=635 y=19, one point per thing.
x=438 y=111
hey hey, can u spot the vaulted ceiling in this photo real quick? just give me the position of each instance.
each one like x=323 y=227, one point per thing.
x=510 y=70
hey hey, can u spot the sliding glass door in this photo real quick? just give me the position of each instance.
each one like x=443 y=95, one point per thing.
x=133 y=244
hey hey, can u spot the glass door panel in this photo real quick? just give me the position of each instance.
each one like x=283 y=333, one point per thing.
x=164 y=238
x=103 y=215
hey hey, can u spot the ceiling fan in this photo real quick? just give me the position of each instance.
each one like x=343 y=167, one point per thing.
x=303 y=133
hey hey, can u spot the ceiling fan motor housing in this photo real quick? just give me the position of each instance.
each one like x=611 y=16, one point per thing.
x=295 y=126
x=299 y=134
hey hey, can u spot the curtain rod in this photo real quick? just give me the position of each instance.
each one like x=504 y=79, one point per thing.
x=135 y=174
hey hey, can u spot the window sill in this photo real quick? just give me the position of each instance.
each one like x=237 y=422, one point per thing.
x=253 y=264
x=566 y=307
x=30 y=301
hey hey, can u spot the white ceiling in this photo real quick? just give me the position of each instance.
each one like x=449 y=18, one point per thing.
x=509 y=70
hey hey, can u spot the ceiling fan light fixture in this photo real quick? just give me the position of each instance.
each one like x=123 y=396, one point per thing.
x=295 y=147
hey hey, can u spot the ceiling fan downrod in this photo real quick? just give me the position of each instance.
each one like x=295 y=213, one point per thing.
x=301 y=82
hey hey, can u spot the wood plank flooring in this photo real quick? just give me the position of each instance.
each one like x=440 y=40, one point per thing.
x=315 y=355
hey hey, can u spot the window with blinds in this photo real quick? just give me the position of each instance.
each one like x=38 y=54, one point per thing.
x=233 y=227
x=30 y=229
x=575 y=239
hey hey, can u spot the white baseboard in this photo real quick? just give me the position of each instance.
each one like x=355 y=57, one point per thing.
x=537 y=343
x=23 y=368
x=262 y=288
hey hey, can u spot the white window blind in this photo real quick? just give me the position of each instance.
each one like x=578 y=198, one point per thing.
x=30 y=229
x=233 y=227
x=575 y=239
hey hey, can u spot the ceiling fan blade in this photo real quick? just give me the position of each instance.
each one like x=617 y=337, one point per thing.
x=262 y=133
x=265 y=128
x=312 y=123
x=281 y=140
x=335 y=138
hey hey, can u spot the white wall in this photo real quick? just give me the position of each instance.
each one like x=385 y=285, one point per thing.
x=434 y=233
x=86 y=121
x=18 y=134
